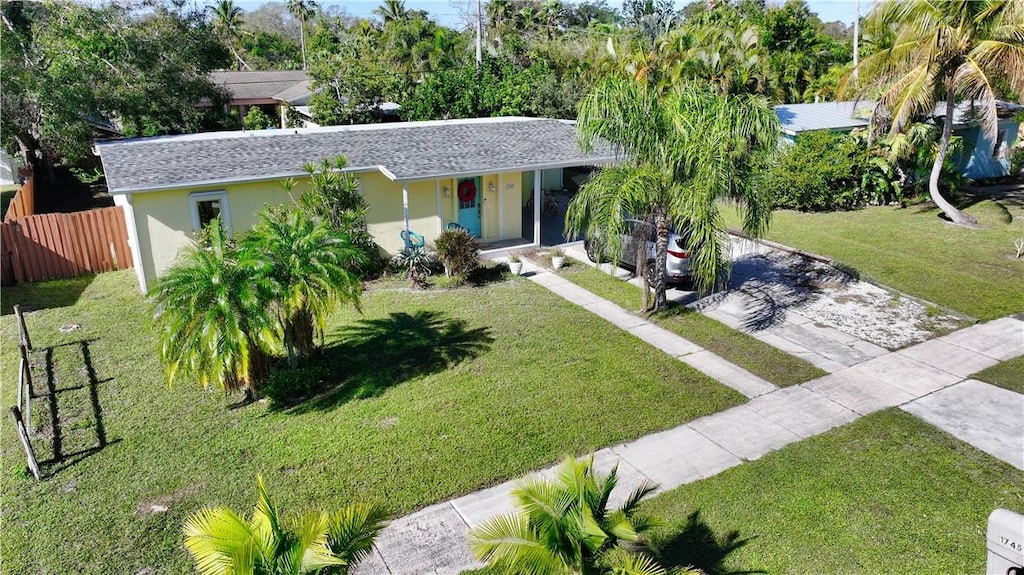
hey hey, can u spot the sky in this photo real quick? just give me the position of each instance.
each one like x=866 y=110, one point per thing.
x=450 y=12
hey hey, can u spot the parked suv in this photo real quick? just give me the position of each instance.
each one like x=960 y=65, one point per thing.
x=677 y=260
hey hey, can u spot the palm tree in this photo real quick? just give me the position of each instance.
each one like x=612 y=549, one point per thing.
x=942 y=51
x=391 y=10
x=310 y=265
x=212 y=315
x=565 y=525
x=499 y=12
x=681 y=152
x=228 y=23
x=222 y=543
x=551 y=12
x=302 y=10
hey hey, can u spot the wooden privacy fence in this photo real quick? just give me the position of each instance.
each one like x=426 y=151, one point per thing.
x=55 y=246
x=23 y=202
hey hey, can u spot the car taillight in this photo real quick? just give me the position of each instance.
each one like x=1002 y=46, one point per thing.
x=679 y=254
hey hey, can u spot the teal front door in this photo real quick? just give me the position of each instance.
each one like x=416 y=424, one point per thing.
x=469 y=205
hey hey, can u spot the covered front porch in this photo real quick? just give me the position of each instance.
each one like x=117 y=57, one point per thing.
x=504 y=211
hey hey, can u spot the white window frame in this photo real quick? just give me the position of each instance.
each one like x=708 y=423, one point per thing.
x=225 y=211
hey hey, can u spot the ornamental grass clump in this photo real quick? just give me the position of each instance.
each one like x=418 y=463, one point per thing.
x=458 y=252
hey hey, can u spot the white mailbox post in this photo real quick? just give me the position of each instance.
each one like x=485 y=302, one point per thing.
x=1005 y=542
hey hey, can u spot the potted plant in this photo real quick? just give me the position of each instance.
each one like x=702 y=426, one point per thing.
x=557 y=258
x=515 y=263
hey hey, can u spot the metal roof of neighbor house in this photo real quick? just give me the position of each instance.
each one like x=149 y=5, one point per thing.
x=796 y=118
x=402 y=151
x=263 y=85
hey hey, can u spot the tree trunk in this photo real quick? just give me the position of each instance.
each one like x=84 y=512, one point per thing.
x=641 y=270
x=955 y=215
x=302 y=40
x=660 y=255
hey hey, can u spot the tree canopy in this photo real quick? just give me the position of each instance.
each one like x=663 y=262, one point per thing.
x=69 y=67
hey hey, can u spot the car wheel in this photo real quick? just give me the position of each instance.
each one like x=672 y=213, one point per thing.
x=591 y=254
x=652 y=272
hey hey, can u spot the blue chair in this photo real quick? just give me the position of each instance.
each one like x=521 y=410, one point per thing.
x=413 y=240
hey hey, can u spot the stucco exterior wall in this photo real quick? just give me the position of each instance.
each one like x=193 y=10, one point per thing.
x=163 y=219
x=979 y=159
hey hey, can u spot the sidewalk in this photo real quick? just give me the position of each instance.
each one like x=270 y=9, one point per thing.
x=927 y=380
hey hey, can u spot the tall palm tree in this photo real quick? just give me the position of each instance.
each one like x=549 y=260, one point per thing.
x=212 y=313
x=565 y=525
x=302 y=10
x=681 y=153
x=391 y=10
x=499 y=12
x=551 y=12
x=941 y=52
x=311 y=266
x=222 y=543
x=228 y=23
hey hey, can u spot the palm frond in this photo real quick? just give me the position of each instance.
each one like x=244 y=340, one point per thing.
x=508 y=542
x=220 y=541
x=353 y=529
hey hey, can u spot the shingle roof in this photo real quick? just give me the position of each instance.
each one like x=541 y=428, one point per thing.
x=261 y=85
x=403 y=151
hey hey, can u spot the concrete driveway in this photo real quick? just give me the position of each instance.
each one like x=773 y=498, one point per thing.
x=810 y=308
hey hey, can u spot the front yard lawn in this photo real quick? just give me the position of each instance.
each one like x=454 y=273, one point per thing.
x=752 y=354
x=1008 y=374
x=534 y=378
x=885 y=494
x=912 y=250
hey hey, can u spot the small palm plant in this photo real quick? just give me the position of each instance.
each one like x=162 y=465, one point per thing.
x=458 y=251
x=312 y=267
x=222 y=543
x=565 y=526
x=416 y=263
x=212 y=314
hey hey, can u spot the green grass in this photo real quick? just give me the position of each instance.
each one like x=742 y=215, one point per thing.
x=741 y=349
x=6 y=196
x=912 y=250
x=403 y=428
x=885 y=494
x=1008 y=374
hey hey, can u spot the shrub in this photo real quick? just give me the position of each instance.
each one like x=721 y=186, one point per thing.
x=256 y=119
x=334 y=197
x=819 y=172
x=1017 y=160
x=458 y=252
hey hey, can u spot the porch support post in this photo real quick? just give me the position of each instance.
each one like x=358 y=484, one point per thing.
x=437 y=206
x=501 y=206
x=405 y=211
x=537 y=198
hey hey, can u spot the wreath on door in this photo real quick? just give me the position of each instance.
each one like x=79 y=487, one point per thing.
x=467 y=191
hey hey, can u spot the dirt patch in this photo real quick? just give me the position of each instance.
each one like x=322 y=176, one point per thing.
x=162 y=503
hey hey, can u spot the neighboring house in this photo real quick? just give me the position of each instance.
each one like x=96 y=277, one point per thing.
x=275 y=92
x=8 y=171
x=979 y=158
x=271 y=91
x=483 y=174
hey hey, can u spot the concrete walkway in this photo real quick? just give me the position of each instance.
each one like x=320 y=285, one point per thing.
x=688 y=352
x=927 y=380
